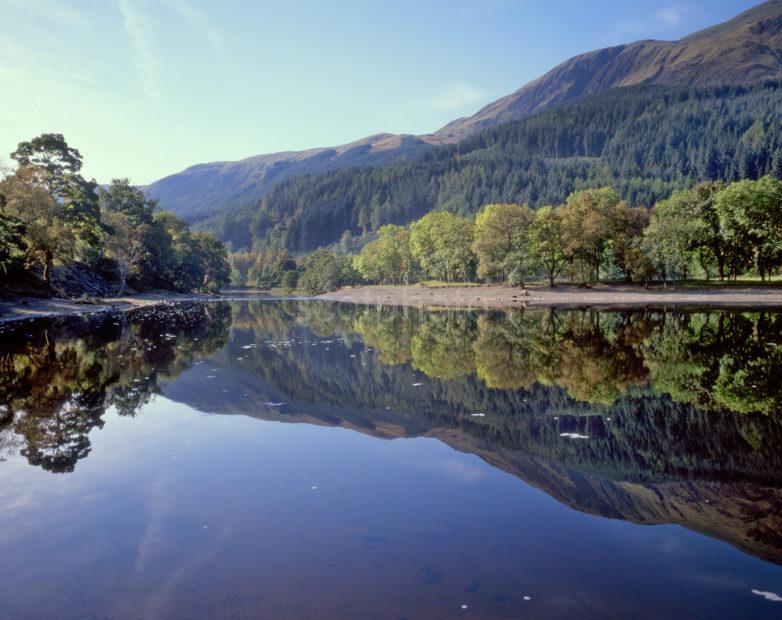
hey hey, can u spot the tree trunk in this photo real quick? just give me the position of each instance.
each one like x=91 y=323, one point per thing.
x=47 y=268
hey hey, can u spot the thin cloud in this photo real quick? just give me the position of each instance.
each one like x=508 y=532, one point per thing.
x=49 y=10
x=668 y=19
x=672 y=16
x=454 y=97
x=198 y=19
x=139 y=29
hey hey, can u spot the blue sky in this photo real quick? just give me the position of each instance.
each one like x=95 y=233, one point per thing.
x=145 y=88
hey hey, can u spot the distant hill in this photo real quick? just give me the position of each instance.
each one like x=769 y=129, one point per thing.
x=203 y=189
x=746 y=49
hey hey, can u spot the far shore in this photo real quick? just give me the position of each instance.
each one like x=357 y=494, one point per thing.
x=606 y=296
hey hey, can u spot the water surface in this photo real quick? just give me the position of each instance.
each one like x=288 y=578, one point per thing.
x=307 y=459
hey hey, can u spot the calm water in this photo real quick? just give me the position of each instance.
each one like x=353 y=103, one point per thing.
x=315 y=460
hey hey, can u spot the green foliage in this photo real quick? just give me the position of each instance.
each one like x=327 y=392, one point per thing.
x=125 y=244
x=241 y=263
x=668 y=239
x=290 y=280
x=50 y=152
x=590 y=220
x=12 y=246
x=501 y=242
x=52 y=215
x=388 y=259
x=545 y=242
x=750 y=215
x=267 y=268
x=212 y=257
x=49 y=235
x=322 y=272
x=442 y=244
x=594 y=234
x=122 y=197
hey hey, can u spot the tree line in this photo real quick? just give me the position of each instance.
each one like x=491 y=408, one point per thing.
x=52 y=217
x=645 y=141
x=712 y=230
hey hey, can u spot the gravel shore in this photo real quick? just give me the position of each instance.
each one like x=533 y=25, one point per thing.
x=565 y=295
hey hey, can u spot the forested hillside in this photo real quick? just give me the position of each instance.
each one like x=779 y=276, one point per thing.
x=643 y=141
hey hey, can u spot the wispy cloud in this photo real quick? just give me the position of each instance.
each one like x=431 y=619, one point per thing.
x=667 y=20
x=140 y=30
x=35 y=78
x=672 y=15
x=454 y=97
x=49 y=10
x=198 y=19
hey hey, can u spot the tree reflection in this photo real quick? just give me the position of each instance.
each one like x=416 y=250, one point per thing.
x=716 y=359
x=57 y=380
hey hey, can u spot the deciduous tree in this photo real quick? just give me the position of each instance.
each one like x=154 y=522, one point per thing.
x=501 y=244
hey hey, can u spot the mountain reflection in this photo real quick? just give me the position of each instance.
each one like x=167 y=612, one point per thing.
x=649 y=416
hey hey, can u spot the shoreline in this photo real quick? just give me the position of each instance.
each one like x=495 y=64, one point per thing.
x=23 y=308
x=604 y=296
x=475 y=296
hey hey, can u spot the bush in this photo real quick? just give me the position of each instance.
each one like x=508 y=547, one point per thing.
x=322 y=273
x=289 y=280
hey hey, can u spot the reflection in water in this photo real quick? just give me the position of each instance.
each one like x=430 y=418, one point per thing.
x=646 y=416
x=58 y=377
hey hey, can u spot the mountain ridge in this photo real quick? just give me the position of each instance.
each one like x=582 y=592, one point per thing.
x=743 y=50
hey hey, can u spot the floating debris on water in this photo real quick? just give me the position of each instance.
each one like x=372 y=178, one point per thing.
x=574 y=436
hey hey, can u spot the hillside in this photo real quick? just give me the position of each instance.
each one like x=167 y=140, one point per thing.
x=645 y=141
x=200 y=190
x=746 y=49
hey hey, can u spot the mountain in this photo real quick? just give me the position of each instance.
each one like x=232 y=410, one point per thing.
x=746 y=49
x=202 y=189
